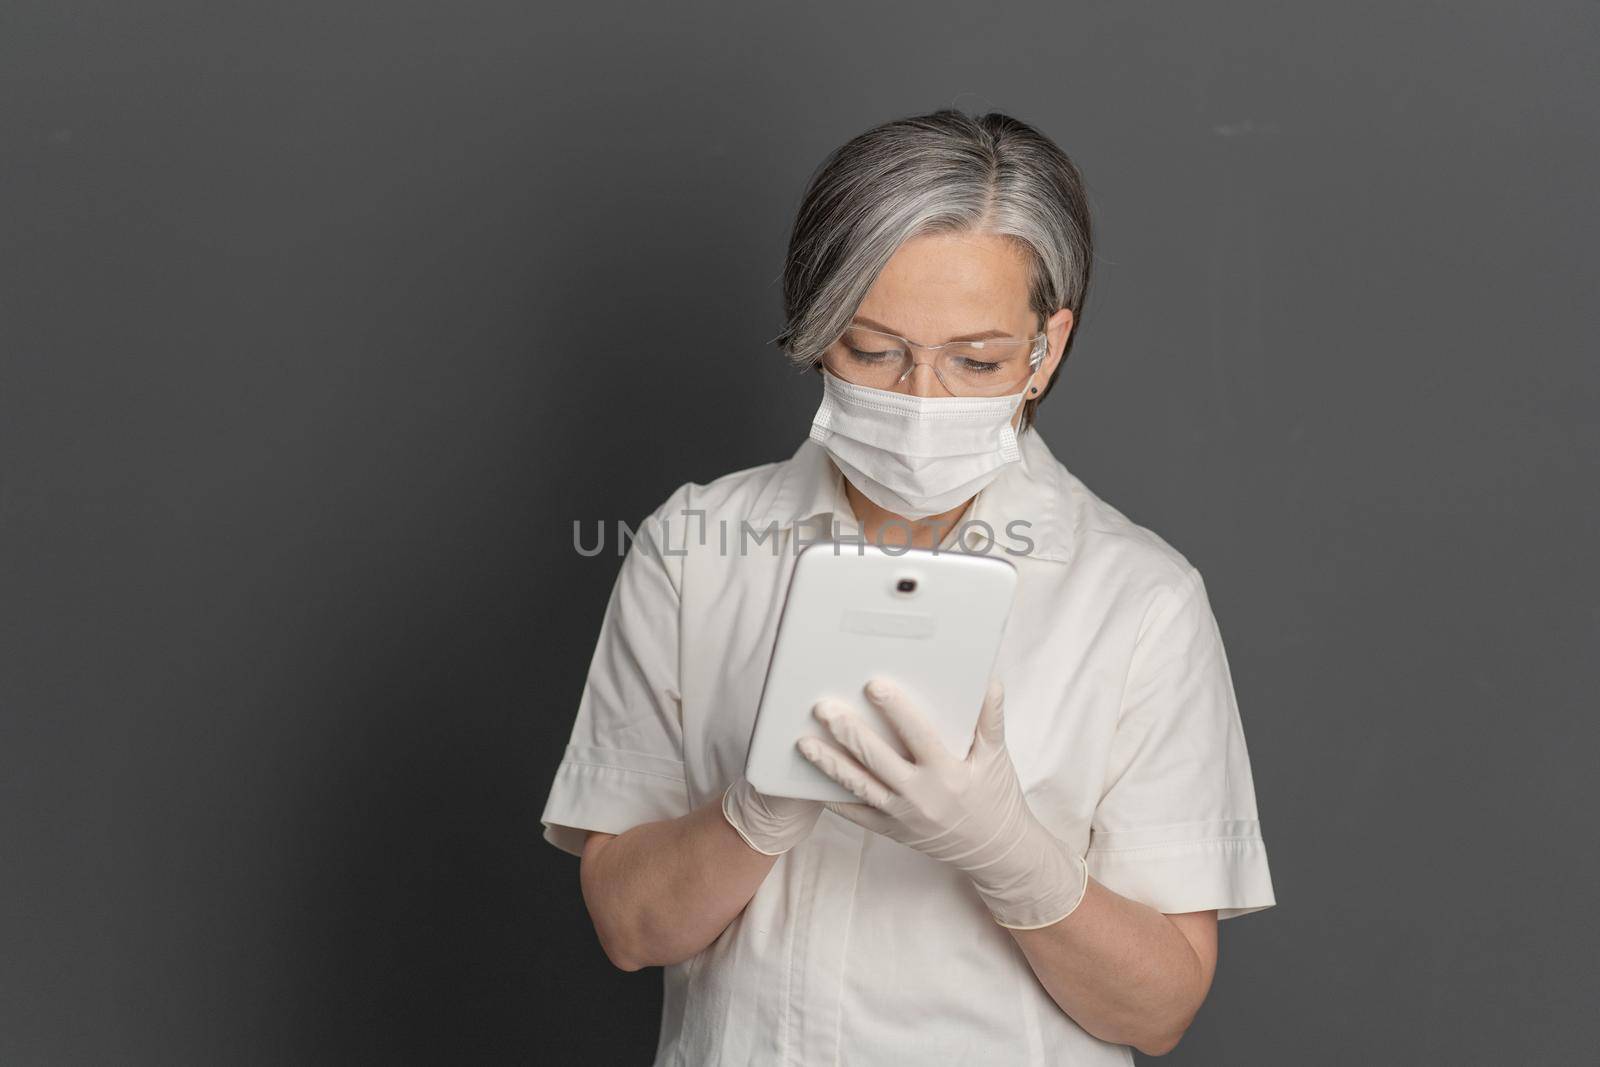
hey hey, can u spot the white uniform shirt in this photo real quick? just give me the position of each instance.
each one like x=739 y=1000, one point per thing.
x=1120 y=719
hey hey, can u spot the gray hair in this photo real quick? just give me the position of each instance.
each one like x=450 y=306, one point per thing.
x=942 y=172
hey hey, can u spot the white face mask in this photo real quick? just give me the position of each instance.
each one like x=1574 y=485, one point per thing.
x=915 y=455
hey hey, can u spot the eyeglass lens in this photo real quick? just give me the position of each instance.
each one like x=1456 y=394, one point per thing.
x=980 y=368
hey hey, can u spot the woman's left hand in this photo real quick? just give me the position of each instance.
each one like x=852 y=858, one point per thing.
x=969 y=813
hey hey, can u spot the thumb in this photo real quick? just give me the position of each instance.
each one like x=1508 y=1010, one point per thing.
x=795 y=808
x=864 y=816
x=991 y=731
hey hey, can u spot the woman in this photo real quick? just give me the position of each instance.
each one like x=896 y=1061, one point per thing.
x=1054 y=896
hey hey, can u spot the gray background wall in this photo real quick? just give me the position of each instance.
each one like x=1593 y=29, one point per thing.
x=322 y=322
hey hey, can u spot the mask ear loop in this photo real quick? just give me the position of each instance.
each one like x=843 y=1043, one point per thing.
x=1009 y=447
x=822 y=422
x=1035 y=360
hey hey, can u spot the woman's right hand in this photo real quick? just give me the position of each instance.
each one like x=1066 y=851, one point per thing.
x=662 y=891
x=770 y=825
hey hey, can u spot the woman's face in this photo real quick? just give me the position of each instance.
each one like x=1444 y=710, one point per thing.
x=949 y=286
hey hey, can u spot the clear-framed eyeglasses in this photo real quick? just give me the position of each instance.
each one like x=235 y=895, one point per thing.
x=880 y=360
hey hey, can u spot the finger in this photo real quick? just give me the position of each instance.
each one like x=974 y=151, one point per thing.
x=785 y=808
x=920 y=738
x=865 y=816
x=991 y=729
x=869 y=749
x=839 y=766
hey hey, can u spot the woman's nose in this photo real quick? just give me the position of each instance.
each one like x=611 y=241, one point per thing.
x=923 y=381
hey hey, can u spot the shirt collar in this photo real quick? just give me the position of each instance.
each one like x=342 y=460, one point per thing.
x=1033 y=504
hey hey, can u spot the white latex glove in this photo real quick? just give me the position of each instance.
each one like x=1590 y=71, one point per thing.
x=969 y=813
x=770 y=825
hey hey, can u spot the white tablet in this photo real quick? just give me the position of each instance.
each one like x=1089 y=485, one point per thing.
x=930 y=622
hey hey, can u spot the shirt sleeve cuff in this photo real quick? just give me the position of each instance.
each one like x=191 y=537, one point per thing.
x=1188 y=867
x=610 y=790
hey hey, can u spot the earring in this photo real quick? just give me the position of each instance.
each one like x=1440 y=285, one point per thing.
x=1035 y=389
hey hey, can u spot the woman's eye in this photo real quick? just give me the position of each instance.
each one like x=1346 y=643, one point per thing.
x=979 y=366
x=871 y=357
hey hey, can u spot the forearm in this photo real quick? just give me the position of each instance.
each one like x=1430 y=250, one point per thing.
x=662 y=891
x=1122 y=970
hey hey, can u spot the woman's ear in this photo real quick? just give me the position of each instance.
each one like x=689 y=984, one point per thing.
x=1058 y=328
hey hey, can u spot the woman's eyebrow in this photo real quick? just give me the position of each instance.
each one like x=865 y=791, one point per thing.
x=981 y=335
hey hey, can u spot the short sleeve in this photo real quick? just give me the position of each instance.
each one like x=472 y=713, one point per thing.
x=623 y=765
x=1176 y=825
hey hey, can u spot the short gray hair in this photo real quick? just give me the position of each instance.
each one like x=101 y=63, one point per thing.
x=942 y=172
